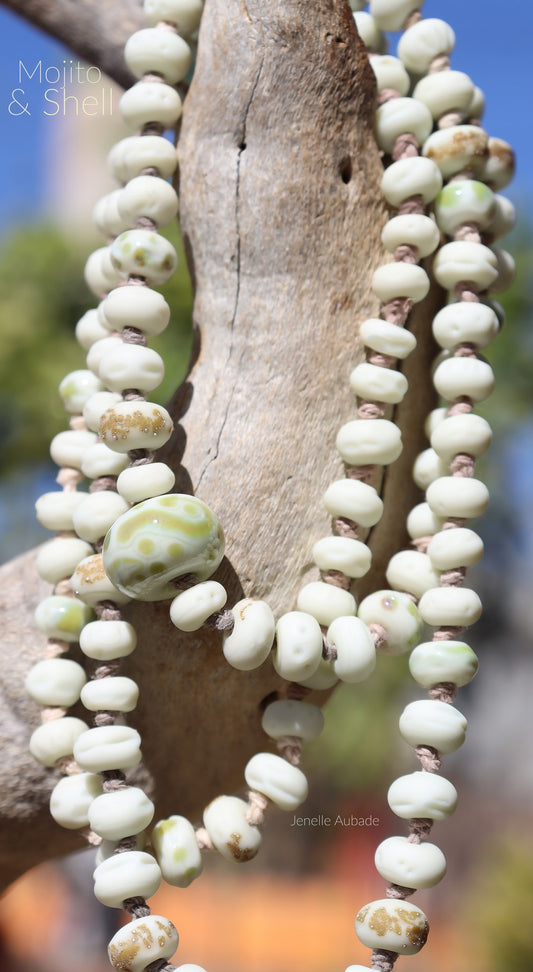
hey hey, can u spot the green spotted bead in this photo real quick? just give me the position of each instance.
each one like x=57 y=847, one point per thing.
x=143 y=253
x=62 y=617
x=160 y=539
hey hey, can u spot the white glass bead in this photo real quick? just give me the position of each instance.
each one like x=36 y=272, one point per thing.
x=289 y=717
x=364 y=442
x=376 y=384
x=460 y=148
x=356 y=654
x=91 y=584
x=358 y=968
x=459 y=547
x=76 y=388
x=108 y=747
x=71 y=798
x=132 y=366
x=410 y=865
x=137 y=483
x=398 y=116
x=154 y=49
x=392 y=14
x=464 y=376
x=325 y=602
x=400 y=279
x=111 y=694
x=252 y=637
x=353 y=500
x=422 y=522
x=387 y=338
x=414 y=176
x=396 y=613
x=411 y=571
x=135 y=425
x=185 y=14
x=59 y=557
x=56 y=739
x=190 y=609
x=55 y=681
x=108 y=847
x=99 y=460
x=422 y=795
x=106 y=216
x=427 y=467
x=131 y=155
x=104 y=640
x=299 y=645
x=54 y=510
x=444 y=92
x=150 y=101
x=143 y=253
x=94 y=516
x=190 y=968
x=121 y=813
x=458 y=497
x=62 y=617
x=97 y=405
x=369 y=32
x=462 y=260
x=450 y=606
x=100 y=275
x=435 y=417
x=503 y=217
x=89 y=329
x=134 y=306
x=67 y=448
x=226 y=823
x=177 y=851
x=128 y=875
x=467 y=433
x=477 y=105
x=149 y=197
x=430 y=722
x=464 y=201
x=434 y=662
x=276 y=779
x=390 y=73
x=396 y=926
x=357 y=4
x=141 y=942
x=498 y=170
x=423 y=42
x=465 y=322
x=411 y=229
x=97 y=352
x=324 y=677
x=349 y=556
x=506 y=270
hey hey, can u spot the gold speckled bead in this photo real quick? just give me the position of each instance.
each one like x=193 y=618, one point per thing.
x=397 y=926
x=141 y=942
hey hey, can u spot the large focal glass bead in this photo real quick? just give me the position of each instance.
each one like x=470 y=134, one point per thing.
x=160 y=539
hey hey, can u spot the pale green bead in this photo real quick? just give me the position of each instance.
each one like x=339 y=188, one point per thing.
x=396 y=926
x=62 y=617
x=143 y=253
x=176 y=848
x=160 y=539
x=105 y=640
x=325 y=677
x=434 y=662
x=396 y=613
x=290 y=717
x=76 y=388
x=112 y=694
x=464 y=201
x=55 y=510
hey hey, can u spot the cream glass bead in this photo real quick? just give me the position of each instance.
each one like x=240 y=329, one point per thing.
x=89 y=329
x=465 y=322
x=461 y=260
x=250 y=642
x=400 y=115
x=108 y=847
x=98 y=351
x=299 y=645
x=134 y=425
x=138 y=483
x=450 y=606
x=464 y=201
x=62 y=617
x=477 y=105
x=154 y=49
x=131 y=874
x=412 y=229
x=149 y=197
x=435 y=417
x=176 y=848
x=369 y=32
x=141 y=942
x=105 y=640
x=283 y=784
x=356 y=654
x=106 y=216
x=189 y=968
x=150 y=102
x=411 y=571
x=59 y=557
x=325 y=602
x=71 y=798
x=498 y=170
x=377 y=384
x=396 y=926
x=160 y=539
x=185 y=14
x=434 y=662
x=55 y=681
x=351 y=557
x=132 y=366
x=423 y=42
x=322 y=678
x=385 y=337
x=444 y=92
x=396 y=613
x=400 y=279
x=503 y=217
x=191 y=609
x=226 y=823
x=100 y=274
x=364 y=442
x=464 y=376
x=353 y=500
x=457 y=497
x=422 y=522
x=99 y=460
x=414 y=176
x=124 y=811
x=506 y=270
x=91 y=584
x=112 y=694
x=67 y=448
x=427 y=467
x=54 y=510
x=131 y=155
x=97 y=405
x=94 y=516
x=143 y=253
x=466 y=433
x=357 y=4
x=76 y=388
x=289 y=717
x=358 y=968
x=134 y=306
x=56 y=739
x=108 y=747
x=392 y=14
x=430 y=722
x=422 y=795
x=410 y=865
x=457 y=547
x=390 y=73
x=460 y=148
